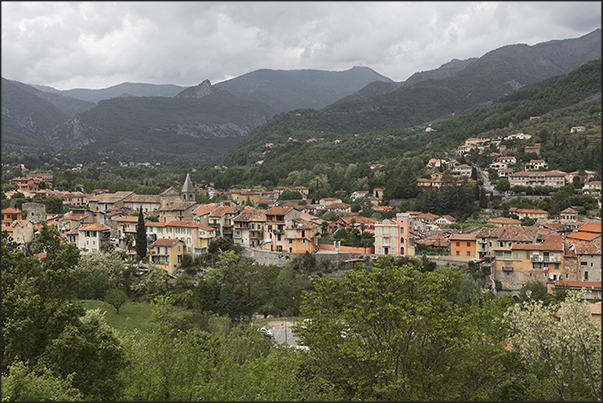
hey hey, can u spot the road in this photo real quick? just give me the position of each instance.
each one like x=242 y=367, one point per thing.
x=283 y=333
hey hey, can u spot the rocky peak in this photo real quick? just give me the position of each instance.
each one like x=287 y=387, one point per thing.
x=199 y=91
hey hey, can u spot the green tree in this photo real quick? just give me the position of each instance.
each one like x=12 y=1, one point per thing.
x=141 y=237
x=503 y=185
x=23 y=384
x=116 y=298
x=405 y=339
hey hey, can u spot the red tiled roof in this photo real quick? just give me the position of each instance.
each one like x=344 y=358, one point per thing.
x=591 y=227
x=165 y=242
x=10 y=210
x=587 y=284
x=504 y=220
x=94 y=227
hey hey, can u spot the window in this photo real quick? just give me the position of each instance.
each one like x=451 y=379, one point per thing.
x=585 y=275
x=458 y=253
x=458 y=244
x=516 y=254
x=468 y=253
x=178 y=248
x=468 y=243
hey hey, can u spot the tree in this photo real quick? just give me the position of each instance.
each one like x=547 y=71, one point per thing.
x=116 y=298
x=560 y=344
x=45 y=326
x=23 y=384
x=141 y=237
x=406 y=340
x=503 y=185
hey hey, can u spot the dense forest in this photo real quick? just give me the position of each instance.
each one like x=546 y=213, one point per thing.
x=412 y=332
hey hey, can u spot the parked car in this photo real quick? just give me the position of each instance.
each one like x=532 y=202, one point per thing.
x=267 y=333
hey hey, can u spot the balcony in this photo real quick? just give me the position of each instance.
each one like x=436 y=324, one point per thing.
x=507 y=269
x=545 y=259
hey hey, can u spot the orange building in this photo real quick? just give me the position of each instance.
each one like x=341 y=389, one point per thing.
x=463 y=245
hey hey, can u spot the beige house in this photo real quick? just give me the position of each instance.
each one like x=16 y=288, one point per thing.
x=248 y=229
x=108 y=201
x=554 y=179
x=93 y=237
x=278 y=219
x=23 y=232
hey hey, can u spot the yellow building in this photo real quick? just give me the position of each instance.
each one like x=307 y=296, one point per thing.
x=10 y=214
x=167 y=253
x=519 y=264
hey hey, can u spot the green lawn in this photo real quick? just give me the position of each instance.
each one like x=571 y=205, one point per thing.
x=132 y=315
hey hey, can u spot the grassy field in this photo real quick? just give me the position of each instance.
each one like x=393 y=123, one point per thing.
x=132 y=315
x=137 y=315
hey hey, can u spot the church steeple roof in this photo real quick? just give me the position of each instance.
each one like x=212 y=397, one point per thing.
x=188 y=185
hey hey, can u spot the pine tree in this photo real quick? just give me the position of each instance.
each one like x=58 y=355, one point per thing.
x=141 y=237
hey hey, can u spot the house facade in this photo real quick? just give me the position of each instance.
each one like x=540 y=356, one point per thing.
x=167 y=253
x=393 y=237
x=93 y=237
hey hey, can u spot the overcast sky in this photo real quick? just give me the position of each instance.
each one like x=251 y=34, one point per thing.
x=96 y=45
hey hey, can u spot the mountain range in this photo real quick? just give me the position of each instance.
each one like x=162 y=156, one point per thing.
x=204 y=122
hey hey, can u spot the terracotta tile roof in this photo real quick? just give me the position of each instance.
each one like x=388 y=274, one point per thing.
x=591 y=227
x=514 y=233
x=136 y=198
x=583 y=236
x=110 y=197
x=279 y=210
x=462 y=237
x=165 y=242
x=94 y=227
x=219 y=212
x=204 y=209
x=587 y=248
x=504 y=220
x=587 y=284
x=7 y=228
x=178 y=206
x=183 y=224
x=130 y=218
x=153 y=224
x=10 y=210
x=569 y=210
x=489 y=232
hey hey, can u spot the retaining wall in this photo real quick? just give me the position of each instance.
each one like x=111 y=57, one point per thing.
x=280 y=258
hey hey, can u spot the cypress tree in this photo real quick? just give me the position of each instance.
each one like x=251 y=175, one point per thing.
x=141 y=237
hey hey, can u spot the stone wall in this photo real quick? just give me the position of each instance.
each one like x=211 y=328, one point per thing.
x=36 y=212
x=280 y=258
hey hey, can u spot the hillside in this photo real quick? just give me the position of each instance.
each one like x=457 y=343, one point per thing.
x=561 y=102
x=180 y=128
x=25 y=112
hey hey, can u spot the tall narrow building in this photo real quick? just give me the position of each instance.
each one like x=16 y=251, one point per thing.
x=188 y=190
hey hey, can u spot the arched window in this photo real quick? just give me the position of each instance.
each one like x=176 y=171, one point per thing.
x=401 y=240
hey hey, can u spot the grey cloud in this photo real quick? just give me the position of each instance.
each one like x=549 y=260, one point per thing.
x=98 y=44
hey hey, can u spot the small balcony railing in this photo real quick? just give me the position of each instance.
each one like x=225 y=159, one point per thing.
x=507 y=268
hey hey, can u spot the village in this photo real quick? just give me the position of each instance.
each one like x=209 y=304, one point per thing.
x=564 y=250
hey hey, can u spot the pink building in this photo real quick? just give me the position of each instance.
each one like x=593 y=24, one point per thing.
x=392 y=237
